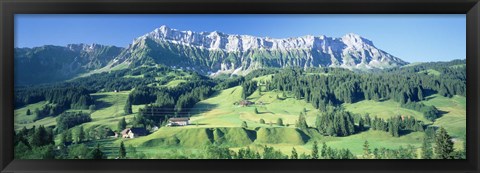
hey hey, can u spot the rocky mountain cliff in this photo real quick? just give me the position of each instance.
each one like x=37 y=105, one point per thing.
x=209 y=53
x=217 y=52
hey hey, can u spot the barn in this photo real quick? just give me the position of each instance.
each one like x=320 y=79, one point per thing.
x=178 y=121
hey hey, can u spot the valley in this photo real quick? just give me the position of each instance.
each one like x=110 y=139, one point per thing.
x=217 y=119
x=175 y=94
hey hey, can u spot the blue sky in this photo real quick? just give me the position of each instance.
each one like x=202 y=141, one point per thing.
x=413 y=38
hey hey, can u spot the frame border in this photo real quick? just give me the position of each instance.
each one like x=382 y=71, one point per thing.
x=8 y=8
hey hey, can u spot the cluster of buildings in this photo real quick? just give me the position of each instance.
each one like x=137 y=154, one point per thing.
x=136 y=132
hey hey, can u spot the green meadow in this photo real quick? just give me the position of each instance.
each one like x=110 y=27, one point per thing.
x=218 y=119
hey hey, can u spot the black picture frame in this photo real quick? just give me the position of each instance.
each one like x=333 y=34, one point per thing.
x=9 y=8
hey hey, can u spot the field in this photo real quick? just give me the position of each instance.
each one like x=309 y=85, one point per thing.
x=218 y=119
x=220 y=111
x=382 y=109
x=454 y=118
x=219 y=115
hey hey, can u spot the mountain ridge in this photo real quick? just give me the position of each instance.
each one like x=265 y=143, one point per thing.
x=242 y=53
x=209 y=53
x=51 y=63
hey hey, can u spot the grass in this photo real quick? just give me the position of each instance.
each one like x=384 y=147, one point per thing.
x=454 y=120
x=263 y=79
x=110 y=109
x=220 y=111
x=175 y=83
x=137 y=76
x=458 y=66
x=218 y=120
x=281 y=136
x=168 y=135
x=21 y=119
x=431 y=72
x=20 y=115
x=383 y=109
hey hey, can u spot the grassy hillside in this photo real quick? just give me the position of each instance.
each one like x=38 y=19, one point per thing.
x=109 y=109
x=454 y=117
x=383 y=109
x=212 y=117
x=430 y=72
x=220 y=111
x=21 y=118
x=218 y=120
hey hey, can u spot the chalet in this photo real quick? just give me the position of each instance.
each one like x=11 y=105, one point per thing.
x=133 y=132
x=245 y=103
x=178 y=121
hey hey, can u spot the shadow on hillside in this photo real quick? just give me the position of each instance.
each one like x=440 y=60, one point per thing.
x=265 y=112
x=428 y=94
x=252 y=134
x=441 y=113
x=195 y=124
x=304 y=136
x=97 y=97
x=102 y=105
x=201 y=108
x=404 y=132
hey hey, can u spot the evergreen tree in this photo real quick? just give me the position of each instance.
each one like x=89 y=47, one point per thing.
x=361 y=124
x=324 y=150
x=430 y=133
x=244 y=124
x=427 y=152
x=294 y=154
x=38 y=138
x=279 y=122
x=315 y=150
x=122 y=152
x=28 y=112
x=375 y=153
x=97 y=153
x=420 y=94
x=262 y=121
x=122 y=124
x=66 y=137
x=366 y=150
x=81 y=134
x=92 y=108
x=302 y=122
x=444 y=145
x=128 y=107
x=256 y=110
x=368 y=120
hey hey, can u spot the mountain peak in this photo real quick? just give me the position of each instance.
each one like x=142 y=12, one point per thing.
x=164 y=28
x=247 y=52
x=217 y=40
x=356 y=39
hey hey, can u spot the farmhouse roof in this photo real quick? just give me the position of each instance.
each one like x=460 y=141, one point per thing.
x=140 y=131
x=178 y=119
x=125 y=131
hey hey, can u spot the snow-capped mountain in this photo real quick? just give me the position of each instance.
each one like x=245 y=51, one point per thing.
x=209 y=53
x=217 y=52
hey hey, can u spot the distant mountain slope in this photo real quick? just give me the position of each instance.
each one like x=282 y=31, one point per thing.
x=216 y=52
x=210 y=53
x=47 y=64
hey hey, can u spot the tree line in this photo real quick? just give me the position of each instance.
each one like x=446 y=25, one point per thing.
x=323 y=87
